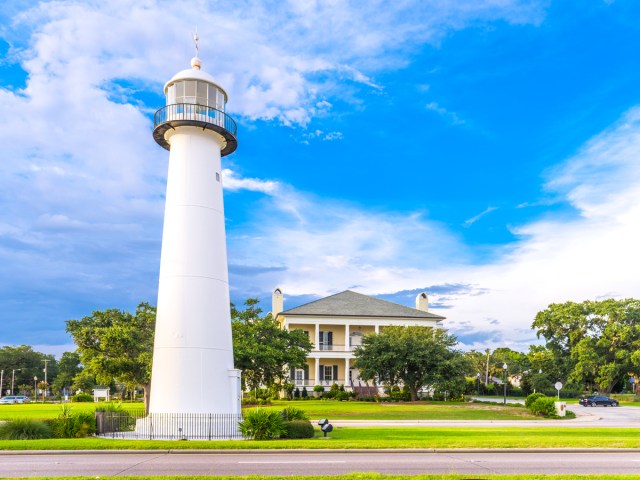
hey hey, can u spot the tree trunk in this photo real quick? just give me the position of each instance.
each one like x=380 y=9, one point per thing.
x=414 y=393
x=147 y=396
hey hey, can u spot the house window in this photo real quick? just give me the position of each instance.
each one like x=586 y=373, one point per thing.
x=328 y=373
x=300 y=376
x=326 y=340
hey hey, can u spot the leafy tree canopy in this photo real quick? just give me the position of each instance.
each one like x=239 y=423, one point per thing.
x=262 y=350
x=69 y=366
x=597 y=342
x=416 y=356
x=117 y=345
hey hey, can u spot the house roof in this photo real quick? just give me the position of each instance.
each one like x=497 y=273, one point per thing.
x=352 y=304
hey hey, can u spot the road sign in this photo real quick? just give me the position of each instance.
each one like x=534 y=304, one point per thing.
x=558 y=386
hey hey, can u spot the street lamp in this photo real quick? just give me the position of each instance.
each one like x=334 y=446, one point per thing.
x=504 y=382
x=35 y=388
x=13 y=377
x=478 y=382
x=539 y=373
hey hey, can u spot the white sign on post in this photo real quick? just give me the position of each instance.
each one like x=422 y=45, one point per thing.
x=558 y=386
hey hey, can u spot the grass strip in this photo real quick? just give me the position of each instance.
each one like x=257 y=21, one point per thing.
x=371 y=438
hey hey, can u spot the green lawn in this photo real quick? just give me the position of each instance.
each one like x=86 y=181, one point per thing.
x=333 y=410
x=51 y=410
x=373 y=437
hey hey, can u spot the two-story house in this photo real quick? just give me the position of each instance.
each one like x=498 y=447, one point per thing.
x=336 y=325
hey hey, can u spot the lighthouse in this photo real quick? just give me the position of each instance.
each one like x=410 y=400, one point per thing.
x=193 y=371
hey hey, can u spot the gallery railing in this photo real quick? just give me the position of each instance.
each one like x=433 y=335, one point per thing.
x=191 y=112
x=168 y=426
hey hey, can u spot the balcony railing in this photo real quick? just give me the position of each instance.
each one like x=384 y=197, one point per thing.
x=334 y=348
x=313 y=383
x=181 y=114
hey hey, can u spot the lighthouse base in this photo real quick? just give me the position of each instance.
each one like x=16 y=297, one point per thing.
x=189 y=426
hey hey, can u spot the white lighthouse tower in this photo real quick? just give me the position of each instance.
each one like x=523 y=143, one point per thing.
x=193 y=371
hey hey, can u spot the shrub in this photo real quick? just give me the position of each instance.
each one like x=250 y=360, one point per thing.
x=532 y=398
x=262 y=424
x=110 y=407
x=304 y=393
x=318 y=388
x=112 y=417
x=544 y=407
x=293 y=413
x=70 y=424
x=298 y=429
x=82 y=397
x=342 y=396
x=24 y=429
x=288 y=388
x=296 y=393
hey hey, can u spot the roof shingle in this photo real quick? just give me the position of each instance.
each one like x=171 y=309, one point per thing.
x=352 y=304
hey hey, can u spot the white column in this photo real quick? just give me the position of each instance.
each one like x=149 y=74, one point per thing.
x=317 y=375
x=377 y=328
x=346 y=372
x=317 y=340
x=347 y=345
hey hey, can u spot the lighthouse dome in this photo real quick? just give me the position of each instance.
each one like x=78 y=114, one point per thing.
x=193 y=98
x=195 y=73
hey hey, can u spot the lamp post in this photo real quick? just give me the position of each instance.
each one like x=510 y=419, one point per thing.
x=539 y=373
x=504 y=382
x=13 y=377
x=1 y=382
x=35 y=388
x=478 y=382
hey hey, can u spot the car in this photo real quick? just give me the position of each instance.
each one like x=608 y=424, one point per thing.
x=15 y=399
x=595 y=400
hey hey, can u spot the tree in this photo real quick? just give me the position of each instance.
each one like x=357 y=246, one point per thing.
x=416 y=356
x=516 y=362
x=597 y=342
x=263 y=350
x=117 y=345
x=27 y=364
x=68 y=367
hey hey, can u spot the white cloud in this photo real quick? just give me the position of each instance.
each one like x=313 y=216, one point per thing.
x=232 y=182
x=474 y=219
x=452 y=116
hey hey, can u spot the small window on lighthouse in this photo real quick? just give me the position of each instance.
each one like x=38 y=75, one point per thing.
x=180 y=92
x=201 y=90
x=217 y=176
x=190 y=91
x=171 y=95
x=213 y=91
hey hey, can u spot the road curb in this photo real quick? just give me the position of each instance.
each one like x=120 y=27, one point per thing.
x=317 y=451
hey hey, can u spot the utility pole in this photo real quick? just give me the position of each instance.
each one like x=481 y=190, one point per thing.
x=486 y=378
x=13 y=377
x=1 y=379
x=45 y=379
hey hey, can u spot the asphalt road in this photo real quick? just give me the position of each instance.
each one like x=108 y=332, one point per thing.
x=325 y=463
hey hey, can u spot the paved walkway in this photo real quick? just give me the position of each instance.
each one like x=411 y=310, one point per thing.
x=622 y=417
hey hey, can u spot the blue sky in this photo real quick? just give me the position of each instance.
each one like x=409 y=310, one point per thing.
x=485 y=151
